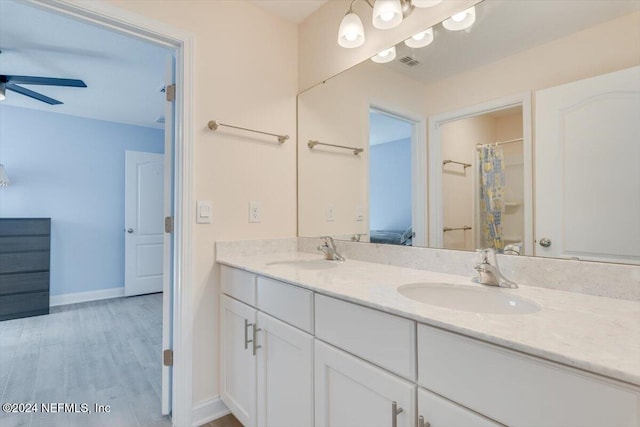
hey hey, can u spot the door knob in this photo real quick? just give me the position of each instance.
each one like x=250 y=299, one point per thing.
x=130 y=230
x=545 y=242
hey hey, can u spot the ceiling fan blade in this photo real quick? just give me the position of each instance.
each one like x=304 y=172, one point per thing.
x=49 y=81
x=32 y=94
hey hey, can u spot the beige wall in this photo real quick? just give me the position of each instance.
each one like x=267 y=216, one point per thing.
x=337 y=112
x=245 y=74
x=320 y=55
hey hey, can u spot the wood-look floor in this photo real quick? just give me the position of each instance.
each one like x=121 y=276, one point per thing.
x=105 y=352
x=227 y=421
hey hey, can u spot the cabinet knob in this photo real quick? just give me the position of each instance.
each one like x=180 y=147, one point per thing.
x=545 y=242
x=395 y=411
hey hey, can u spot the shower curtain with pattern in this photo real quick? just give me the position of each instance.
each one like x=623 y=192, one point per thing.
x=492 y=183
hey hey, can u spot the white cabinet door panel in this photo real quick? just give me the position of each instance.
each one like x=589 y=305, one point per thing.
x=238 y=364
x=440 y=412
x=285 y=375
x=350 y=392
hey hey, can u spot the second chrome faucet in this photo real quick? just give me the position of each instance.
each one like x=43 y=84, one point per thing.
x=328 y=248
x=490 y=274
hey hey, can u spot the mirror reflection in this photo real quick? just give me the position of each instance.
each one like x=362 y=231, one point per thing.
x=519 y=133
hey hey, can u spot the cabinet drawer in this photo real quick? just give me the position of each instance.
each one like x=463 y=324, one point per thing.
x=24 y=226
x=23 y=305
x=520 y=390
x=384 y=339
x=24 y=282
x=24 y=261
x=238 y=284
x=440 y=412
x=23 y=243
x=286 y=302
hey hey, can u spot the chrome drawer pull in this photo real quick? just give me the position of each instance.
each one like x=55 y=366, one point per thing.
x=422 y=423
x=395 y=411
x=254 y=340
x=246 y=334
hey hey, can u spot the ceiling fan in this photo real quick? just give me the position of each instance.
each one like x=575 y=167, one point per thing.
x=12 y=83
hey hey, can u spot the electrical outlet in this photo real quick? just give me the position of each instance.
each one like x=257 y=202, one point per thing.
x=330 y=213
x=359 y=213
x=255 y=212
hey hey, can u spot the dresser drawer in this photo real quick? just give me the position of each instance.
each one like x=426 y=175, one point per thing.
x=23 y=305
x=520 y=390
x=24 y=261
x=238 y=284
x=381 y=338
x=23 y=243
x=289 y=303
x=24 y=226
x=24 y=282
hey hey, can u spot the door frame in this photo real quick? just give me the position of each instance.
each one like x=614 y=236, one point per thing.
x=418 y=166
x=106 y=15
x=436 y=238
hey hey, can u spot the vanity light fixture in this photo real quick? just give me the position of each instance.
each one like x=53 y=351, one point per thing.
x=422 y=39
x=387 y=14
x=351 y=33
x=461 y=21
x=4 y=177
x=386 y=55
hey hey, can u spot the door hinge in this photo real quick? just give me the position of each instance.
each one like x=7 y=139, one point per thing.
x=168 y=224
x=170 y=90
x=167 y=357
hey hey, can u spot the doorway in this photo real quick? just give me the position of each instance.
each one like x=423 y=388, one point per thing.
x=178 y=317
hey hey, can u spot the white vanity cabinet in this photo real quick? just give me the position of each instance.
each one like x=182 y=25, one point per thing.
x=350 y=392
x=266 y=364
x=436 y=411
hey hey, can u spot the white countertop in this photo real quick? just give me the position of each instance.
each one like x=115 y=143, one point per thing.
x=596 y=334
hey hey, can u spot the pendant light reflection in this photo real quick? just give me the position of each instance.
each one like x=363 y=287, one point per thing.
x=351 y=33
x=387 y=14
x=425 y=3
x=422 y=39
x=461 y=21
x=4 y=177
x=386 y=55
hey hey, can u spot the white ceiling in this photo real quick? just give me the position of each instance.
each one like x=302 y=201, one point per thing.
x=124 y=75
x=294 y=11
x=503 y=28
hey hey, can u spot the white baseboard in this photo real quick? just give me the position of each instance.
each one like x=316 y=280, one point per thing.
x=76 y=297
x=208 y=410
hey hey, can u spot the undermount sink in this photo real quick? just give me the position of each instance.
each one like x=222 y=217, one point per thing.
x=468 y=298
x=306 y=264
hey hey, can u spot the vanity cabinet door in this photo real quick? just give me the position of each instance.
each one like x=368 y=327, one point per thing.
x=238 y=363
x=285 y=375
x=350 y=392
x=436 y=411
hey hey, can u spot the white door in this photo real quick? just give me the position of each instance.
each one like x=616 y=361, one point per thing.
x=587 y=172
x=440 y=412
x=285 y=375
x=144 y=222
x=238 y=364
x=350 y=392
x=167 y=274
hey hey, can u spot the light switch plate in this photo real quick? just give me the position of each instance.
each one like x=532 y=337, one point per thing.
x=330 y=213
x=359 y=213
x=255 y=212
x=204 y=212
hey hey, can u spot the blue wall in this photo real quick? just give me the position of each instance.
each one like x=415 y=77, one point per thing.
x=390 y=185
x=72 y=170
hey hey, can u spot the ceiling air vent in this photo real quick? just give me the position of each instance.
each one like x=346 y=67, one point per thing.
x=409 y=61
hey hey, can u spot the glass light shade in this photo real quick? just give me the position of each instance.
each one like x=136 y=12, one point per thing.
x=386 y=55
x=4 y=178
x=425 y=3
x=387 y=14
x=351 y=33
x=461 y=21
x=422 y=39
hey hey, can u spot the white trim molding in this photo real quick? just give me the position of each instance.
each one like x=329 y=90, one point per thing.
x=435 y=162
x=77 y=297
x=208 y=410
x=106 y=15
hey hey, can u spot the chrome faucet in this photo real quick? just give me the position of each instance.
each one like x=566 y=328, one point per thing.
x=489 y=274
x=328 y=248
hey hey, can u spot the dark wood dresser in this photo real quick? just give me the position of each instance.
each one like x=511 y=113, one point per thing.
x=24 y=267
